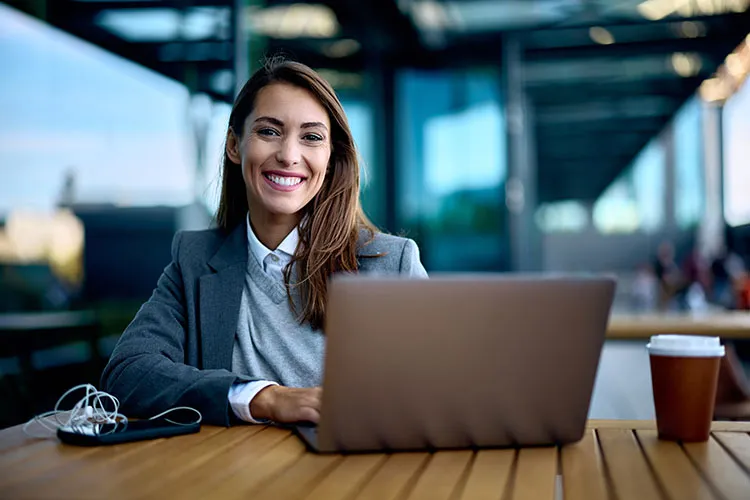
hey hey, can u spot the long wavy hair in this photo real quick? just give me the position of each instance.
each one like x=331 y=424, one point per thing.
x=328 y=239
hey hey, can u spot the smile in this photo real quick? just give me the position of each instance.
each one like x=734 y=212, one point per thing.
x=283 y=183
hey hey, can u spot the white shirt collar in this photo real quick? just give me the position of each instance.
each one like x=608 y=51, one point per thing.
x=285 y=249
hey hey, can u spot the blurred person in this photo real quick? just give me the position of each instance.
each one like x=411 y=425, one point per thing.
x=695 y=269
x=645 y=289
x=742 y=288
x=669 y=276
x=728 y=275
x=233 y=327
x=696 y=282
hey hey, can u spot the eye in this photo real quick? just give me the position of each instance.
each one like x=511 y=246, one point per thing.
x=313 y=137
x=269 y=132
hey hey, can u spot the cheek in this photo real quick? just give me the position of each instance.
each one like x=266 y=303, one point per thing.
x=321 y=164
x=254 y=154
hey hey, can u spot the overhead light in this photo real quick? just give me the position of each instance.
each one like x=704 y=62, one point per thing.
x=692 y=29
x=686 y=64
x=714 y=89
x=430 y=15
x=739 y=5
x=294 y=21
x=655 y=10
x=342 y=48
x=734 y=65
x=601 y=35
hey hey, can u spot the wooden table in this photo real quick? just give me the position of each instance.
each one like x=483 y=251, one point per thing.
x=728 y=325
x=621 y=457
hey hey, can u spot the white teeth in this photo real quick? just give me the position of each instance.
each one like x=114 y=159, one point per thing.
x=284 y=181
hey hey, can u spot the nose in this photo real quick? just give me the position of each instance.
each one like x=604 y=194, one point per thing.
x=289 y=153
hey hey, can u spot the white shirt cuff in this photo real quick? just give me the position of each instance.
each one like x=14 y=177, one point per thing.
x=240 y=396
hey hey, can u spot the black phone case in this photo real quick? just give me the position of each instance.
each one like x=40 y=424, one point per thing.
x=80 y=439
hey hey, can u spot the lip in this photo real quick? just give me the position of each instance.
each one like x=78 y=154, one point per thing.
x=279 y=187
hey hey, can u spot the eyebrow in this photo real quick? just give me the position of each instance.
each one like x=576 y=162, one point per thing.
x=280 y=123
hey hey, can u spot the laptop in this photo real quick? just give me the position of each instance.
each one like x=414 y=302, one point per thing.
x=459 y=362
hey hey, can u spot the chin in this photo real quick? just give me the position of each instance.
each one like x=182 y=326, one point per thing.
x=283 y=208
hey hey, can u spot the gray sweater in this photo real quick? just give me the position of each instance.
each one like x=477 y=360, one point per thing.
x=271 y=344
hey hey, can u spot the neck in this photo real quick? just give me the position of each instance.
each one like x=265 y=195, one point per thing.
x=271 y=229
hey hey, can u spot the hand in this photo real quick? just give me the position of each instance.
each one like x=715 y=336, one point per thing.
x=287 y=404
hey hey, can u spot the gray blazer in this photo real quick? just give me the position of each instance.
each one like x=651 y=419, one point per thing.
x=177 y=351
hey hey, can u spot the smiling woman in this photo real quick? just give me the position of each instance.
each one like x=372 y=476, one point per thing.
x=234 y=327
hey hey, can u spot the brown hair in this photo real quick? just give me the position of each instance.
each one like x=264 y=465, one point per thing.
x=334 y=217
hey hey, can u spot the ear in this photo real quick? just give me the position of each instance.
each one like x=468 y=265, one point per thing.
x=233 y=147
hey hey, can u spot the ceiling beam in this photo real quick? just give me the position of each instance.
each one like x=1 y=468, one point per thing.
x=676 y=88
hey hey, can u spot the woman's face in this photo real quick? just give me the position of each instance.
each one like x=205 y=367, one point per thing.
x=284 y=150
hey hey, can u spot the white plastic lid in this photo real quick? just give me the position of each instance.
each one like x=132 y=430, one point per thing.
x=685 y=346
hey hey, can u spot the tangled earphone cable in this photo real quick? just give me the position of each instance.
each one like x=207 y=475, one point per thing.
x=90 y=413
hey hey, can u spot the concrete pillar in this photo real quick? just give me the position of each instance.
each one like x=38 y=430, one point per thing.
x=521 y=186
x=711 y=230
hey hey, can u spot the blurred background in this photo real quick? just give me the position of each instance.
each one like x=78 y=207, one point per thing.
x=502 y=135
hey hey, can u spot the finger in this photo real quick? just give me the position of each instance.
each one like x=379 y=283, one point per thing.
x=308 y=414
x=311 y=401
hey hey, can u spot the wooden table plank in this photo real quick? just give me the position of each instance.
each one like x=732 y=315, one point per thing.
x=17 y=454
x=583 y=470
x=677 y=475
x=401 y=470
x=297 y=479
x=489 y=475
x=347 y=479
x=257 y=471
x=722 y=471
x=738 y=445
x=174 y=467
x=71 y=470
x=630 y=473
x=440 y=479
x=536 y=474
x=12 y=441
x=236 y=461
x=37 y=464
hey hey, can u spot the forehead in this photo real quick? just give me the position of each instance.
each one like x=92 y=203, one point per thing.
x=290 y=104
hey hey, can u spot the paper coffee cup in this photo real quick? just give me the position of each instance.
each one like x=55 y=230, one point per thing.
x=684 y=374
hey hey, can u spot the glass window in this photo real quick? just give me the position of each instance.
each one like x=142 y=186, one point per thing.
x=635 y=201
x=452 y=167
x=562 y=217
x=615 y=211
x=736 y=145
x=70 y=109
x=689 y=182
x=359 y=114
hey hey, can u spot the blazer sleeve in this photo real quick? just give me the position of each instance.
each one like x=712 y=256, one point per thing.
x=410 y=264
x=147 y=372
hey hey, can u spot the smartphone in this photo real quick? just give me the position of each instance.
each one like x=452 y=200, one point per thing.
x=136 y=430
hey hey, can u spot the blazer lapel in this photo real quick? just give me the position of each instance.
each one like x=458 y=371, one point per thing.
x=220 y=295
